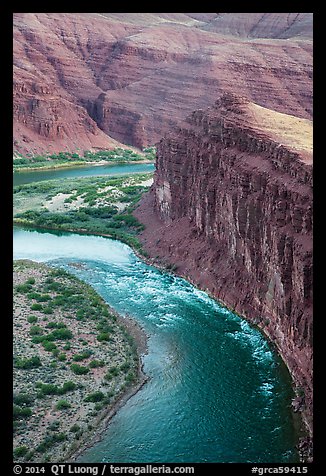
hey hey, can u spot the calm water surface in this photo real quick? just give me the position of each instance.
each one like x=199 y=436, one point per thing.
x=217 y=392
x=20 y=178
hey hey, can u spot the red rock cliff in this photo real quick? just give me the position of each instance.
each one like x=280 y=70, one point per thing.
x=84 y=78
x=231 y=208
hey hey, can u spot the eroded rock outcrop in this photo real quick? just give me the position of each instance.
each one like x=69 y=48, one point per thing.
x=231 y=209
x=46 y=121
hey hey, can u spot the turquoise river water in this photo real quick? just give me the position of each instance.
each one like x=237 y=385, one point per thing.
x=20 y=178
x=217 y=391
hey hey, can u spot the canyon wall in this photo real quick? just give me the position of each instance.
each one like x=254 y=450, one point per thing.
x=231 y=210
x=84 y=79
x=46 y=121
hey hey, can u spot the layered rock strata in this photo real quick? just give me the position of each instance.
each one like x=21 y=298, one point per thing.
x=231 y=210
x=81 y=79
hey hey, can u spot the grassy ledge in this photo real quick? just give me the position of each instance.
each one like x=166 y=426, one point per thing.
x=73 y=361
x=66 y=159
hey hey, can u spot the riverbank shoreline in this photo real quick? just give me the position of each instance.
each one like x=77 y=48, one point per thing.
x=80 y=164
x=305 y=442
x=17 y=222
x=141 y=340
x=138 y=337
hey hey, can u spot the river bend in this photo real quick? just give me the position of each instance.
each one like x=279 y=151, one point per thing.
x=217 y=392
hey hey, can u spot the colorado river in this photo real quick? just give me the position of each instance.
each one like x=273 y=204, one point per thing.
x=217 y=392
x=20 y=178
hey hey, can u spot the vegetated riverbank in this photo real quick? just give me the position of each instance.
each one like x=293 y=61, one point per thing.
x=79 y=164
x=117 y=156
x=96 y=205
x=140 y=338
x=75 y=362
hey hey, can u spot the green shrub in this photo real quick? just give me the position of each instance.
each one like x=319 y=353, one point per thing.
x=26 y=363
x=103 y=337
x=19 y=412
x=39 y=339
x=84 y=355
x=23 y=399
x=49 y=441
x=62 y=405
x=52 y=285
x=96 y=363
x=75 y=428
x=79 y=369
x=39 y=297
x=94 y=397
x=80 y=313
x=46 y=388
x=52 y=389
x=30 y=281
x=33 y=295
x=131 y=377
x=36 y=331
x=105 y=312
x=32 y=319
x=125 y=367
x=59 y=272
x=29 y=455
x=49 y=346
x=104 y=326
x=57 y=334
x=21 y=161
x=112 y=372
x=54 y=426
x=56 y=325
x=23 y=288
x=61 y=334
x=36 y=307
x=20 y=451
x=47 y=310
x=68 y=387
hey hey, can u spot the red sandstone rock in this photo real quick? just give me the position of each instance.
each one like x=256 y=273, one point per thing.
x=232 y=208
x=81 y=79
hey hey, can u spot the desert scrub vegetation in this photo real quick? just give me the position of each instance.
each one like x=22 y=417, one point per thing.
x=68 y=159
x=100 y=205
x=61 y=385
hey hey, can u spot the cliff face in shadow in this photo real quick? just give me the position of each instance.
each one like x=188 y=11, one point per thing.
x=231 y=210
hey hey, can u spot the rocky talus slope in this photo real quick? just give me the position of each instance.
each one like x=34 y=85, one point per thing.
x=84 y=79
x=231 y=210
